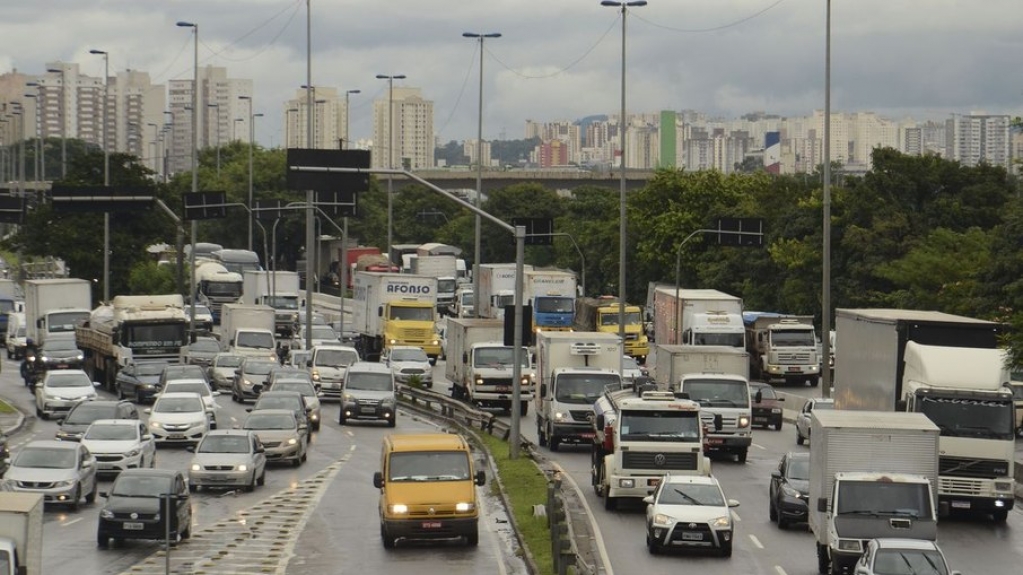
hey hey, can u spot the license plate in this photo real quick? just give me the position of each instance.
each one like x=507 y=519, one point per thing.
x=176 y=436
x=134 y=526
x=431 y=524
x=715 y=440
x=503 y=389
x=367 y=410
x=793 y=370
x=961 y=504
x=586 y=435
x=689 y=536
x=62 y=366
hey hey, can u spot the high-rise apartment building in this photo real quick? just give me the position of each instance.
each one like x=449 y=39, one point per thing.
x=469 y=150
x=412 y=122
x=979 y=138
x=329 y=117
x=223 y=115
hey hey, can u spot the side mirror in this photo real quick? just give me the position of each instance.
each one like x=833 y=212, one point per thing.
x=248 y=410
x=238 y=371
x=147 y=410
x=543 y=390
x=260 y=449
x=309 y=363
x=465 y=358
x=480 y=478
x=649 y=500
x=733 y=503
x=104 y=494
x=599 y=421
x=759 y=397
x=378 y=480
x=60 y=421
x=776 y=474
x=822 y=504
x=779 y=399
x=97 y=384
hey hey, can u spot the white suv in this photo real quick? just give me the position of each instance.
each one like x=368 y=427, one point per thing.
x=689 y=512
x=406 y=362
x=328 y=365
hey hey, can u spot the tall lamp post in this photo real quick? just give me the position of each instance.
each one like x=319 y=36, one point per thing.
x=195 y=173
x=347 y=144
x=41 y=147
x=310 y=196
x=826 y=287
x=252 y=132
x=287 y=135
x=622 y=227
x=348 y=115
x=63 y=119
x=106 y=173
x=156 y=149
x=479 y=169
x=35 y=132
x=390 y=155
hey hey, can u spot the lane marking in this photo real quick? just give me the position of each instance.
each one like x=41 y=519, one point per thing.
x=71 y=522
x=756 y=541
x=758 y=446
x=779 y=570
x=736 y=516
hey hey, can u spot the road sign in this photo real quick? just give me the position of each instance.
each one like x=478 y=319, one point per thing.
x=299 y=180
x=80 y=199
x=336 y=203
x=269 y=210
x=205 y=205
x=740 y=232
x=538 y=230
x=12 y=208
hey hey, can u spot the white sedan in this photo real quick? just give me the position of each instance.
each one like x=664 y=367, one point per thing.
x=62 y=389
x=178 y=418
x=898 y=556
x=119 y=444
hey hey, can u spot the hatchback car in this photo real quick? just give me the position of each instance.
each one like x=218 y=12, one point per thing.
x=299 y=358
x=201 y=351
x=61 y=471
x=368 y=393
x=132 y=509
x=766 y=406
x=292 y=400
x=59 y=353
x=689 y=512
x=203 y=389
x=178 y=418
x=322 y=335
x=139 y=381
x=310 y=396
x=62 y=389
x=119 y=444
x=203 y=317
x=631 y=369
x=278 y=430
x=81 y=416
x=250 y=378
x=408 y=362
x=328 y=365
x=902 y=557
x=803 y=417
x=221 y=372
x=790 y=489
x=228 y=458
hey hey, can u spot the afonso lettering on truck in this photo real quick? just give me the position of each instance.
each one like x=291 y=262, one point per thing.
x=408 y=289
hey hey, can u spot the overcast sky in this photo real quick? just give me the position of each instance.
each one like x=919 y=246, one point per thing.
x=557 y=59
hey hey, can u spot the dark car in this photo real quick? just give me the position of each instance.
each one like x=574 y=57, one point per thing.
x=59 y=353
x=139 y=381
x=81 y=416
x=132 y=510
x=790 y=489
x=767 y=408
x=202 y=351
x=290 y=400
x=250 y=378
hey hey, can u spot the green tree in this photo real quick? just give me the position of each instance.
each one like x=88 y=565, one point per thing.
x=149 y=278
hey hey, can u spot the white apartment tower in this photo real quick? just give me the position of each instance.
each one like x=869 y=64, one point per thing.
x=223 y=115
x=412 y=119
x=329 y=117
x=976 y=138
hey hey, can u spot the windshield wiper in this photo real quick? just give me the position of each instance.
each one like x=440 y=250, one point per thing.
x=870 y=512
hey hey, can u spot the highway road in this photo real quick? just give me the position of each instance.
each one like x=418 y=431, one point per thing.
x=317 y=518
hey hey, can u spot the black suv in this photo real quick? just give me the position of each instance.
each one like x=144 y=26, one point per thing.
x=81 y=416
x=59 y=353
x=135 y=507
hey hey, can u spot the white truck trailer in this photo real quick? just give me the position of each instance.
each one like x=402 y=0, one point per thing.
x=215 y=286
x=696 y=317
x=56 y=306
x=574 y=369
x=716 y=377
x=638 y=437
x=497 y=289
x=872 y=474
x=444 y=268
x=249 y=330
x=395 y=309
x=949 y=368
x=279 y=290
x=21 y=533
x=782 y=348
x=480 y=366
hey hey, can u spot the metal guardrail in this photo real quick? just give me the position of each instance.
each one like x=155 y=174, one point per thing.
x=433 y=403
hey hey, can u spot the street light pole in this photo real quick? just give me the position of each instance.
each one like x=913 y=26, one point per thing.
x=348 y=143
x=106 y=173
x=310 y=197
x=195 y=169
x=826 y=287
x=477 y=247
x=35 y=133
x=344 y=223
x=622 y=224
x=252 y=132
x=390 y=155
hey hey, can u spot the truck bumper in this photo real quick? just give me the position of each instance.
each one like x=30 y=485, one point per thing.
x=637 y=349
x=570 y=432
x=949 y=503
x=729 y=442
x=792 y=371
x=638 y=486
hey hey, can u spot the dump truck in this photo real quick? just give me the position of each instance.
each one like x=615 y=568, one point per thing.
x=782 y=348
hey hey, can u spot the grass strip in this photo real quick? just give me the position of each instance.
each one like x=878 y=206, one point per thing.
x=524 y=486
x=6 y=407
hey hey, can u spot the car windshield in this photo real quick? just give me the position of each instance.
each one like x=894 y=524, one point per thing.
x=270 y=421
x=183 y=371
x=370 y=381
x=88 y=412
x=691 y=494
x=205 y=345
x=303 y=387
x=178 y=405
x=335 y=357
x=149 y=369
x=255 y=339
x=278 y=402
x=415 y=354
x=229 y=361
x=583 y=388
x=909 y=562
x=59 y=345
x=202 y=310
x=428 y=466
x=45 y=458
x=68 y=380
x=324 y=332
x=824 y=405
x=111 y=432
x=225 y=444
x=259 y=367
x=188 y=386
x=141 y=486
x=798 y=469
x=630 y=363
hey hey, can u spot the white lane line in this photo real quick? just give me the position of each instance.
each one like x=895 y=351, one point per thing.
x=756 y=542
x=779 y=570
x=758 y=446
x=604 y=558
x=736 y=516
x=72 y=522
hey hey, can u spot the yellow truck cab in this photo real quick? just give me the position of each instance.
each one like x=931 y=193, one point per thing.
x=427 y=488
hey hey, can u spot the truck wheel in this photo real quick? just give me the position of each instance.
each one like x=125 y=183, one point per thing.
x=555 y=441
x=1000 y=515
x=610 y=503
x=523 y=407
x=740 y=455
x=799 y=438
x=815 y=382
x=387 y=540
x=540 y=437
x=102 y=539
x=823 y=563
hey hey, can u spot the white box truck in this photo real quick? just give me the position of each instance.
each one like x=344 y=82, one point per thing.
x=697 y=317
x=480 y=366
x=782 y=348
x=444 y=268
x=54 y=306
x=574 y=370
x=249 y=330
x=716 y=377
x=279 y=290
x=872 y=474
x=395 y=309
x=21 y=533
x=949 y=368
x=497 y=289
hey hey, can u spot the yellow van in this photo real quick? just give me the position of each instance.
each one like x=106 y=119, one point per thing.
x=428 y=488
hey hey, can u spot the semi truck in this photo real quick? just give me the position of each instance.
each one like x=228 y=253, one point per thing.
x=480 y=366
x=574 y=370
x=696 y=317
x=444 y=269
x=216 y=286
x=949 y=368
x=279 y=290
x=717 y=378
x=248 y=330
x=601 y=314
x=638 y=436
x=21 y=533
x=132 y=329
x=497 y=289
x=782 y=348
x=551 y=293
x=872 y=475
x=56 y=306
x=395 y=309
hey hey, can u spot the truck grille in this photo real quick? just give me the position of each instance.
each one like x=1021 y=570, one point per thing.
x=960 y=486
x=580 y=414
x=416 y=334
x=728 y=422
x=503 y=381
x=650 y=459
x=969 y=467
x=793 y=357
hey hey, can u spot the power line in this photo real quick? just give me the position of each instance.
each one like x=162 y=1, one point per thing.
x=711 y=29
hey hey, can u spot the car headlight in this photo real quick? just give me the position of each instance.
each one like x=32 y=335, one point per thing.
x=155 y=424
x=243 y=467
x=559 y=415
x=147 y=386
x=65 y=483
x=314 y=416
x=349 y=397
x=479 y=380
x=392 y=341
x=106 y=514
x=435 y=342
x=44 y=359
x=723 y=522
x=196 y=467
x=133 y=452
x=743 y=421
x=399 y=508
x=789 y=491
x=850 y=545
x=292 y=441
x=316 y=375
x=389 y=402
x=626 y=483
x=464 y=507
x=80 y=356
x=50 y=397
x=246 y=382
x=662 y=519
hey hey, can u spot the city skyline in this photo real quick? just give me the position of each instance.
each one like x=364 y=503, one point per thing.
x=555 y=62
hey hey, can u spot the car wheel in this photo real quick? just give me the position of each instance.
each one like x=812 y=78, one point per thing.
x=799 y=437
x=772 y=513
x=102 y=539
x=296 y=462
x=726 y=550
x=187 y=533
x=138 y=397
x=192 y=487
x=652 y=545
x=777 y=426
x=473 y=539
x=782 y=522
x=39 y=412
x=76 y=501
x=252 y=484
x=316 y=427
x=91 y=497
x=261 y=480
x=392 y=421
